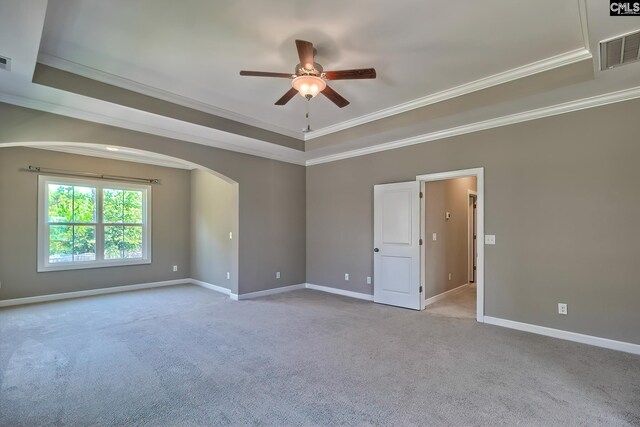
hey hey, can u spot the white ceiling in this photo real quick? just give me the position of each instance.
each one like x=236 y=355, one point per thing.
x=195 y=49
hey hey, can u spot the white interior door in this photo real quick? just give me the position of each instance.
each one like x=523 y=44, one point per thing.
x=396 y=235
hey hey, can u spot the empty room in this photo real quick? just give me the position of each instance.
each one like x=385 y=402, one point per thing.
x=319 y=213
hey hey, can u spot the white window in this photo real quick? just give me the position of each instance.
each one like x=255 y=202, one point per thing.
x=88 y=223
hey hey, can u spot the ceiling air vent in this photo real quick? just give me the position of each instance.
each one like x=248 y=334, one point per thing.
x=5 y=63
x=620 y=50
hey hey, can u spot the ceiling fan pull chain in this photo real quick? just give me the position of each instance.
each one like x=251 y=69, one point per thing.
x=308 y=129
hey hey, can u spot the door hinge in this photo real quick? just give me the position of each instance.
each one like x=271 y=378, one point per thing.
x=421 y=195
x=420 y=289
x=420 y=241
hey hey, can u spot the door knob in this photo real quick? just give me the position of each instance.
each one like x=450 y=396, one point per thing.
x=376 y=250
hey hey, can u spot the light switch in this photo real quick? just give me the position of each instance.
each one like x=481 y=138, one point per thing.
x=489 y=239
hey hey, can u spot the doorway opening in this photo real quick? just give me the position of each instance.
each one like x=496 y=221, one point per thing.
x=452 y=233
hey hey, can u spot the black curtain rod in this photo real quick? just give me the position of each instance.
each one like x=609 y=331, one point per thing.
x=92 y=175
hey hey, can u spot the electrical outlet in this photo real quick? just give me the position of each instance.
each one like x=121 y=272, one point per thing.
x=449 y=276
x=562 y=308
x=368 y=280
x=346 y=276
x=228 y=275
x=490 y=239
x=434 y=236
x=277 y=274
x=175 y=268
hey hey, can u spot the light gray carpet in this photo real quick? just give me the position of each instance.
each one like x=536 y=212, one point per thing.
x=186 y=356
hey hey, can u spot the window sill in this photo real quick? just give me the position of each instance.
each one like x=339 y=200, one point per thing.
x=90 y=265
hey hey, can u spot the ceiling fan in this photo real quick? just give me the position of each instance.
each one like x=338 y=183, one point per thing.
x=309 y=78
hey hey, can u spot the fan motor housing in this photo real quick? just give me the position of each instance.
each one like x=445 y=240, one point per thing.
x=317 y=67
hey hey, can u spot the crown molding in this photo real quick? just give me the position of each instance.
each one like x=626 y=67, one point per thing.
x=124 y=83
x=298 y=158
x=584 y=23
x=547 y=64
x=284 y=154
x=581 y=104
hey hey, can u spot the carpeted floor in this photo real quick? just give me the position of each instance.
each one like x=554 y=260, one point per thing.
x=185 y=356
x=461 y=305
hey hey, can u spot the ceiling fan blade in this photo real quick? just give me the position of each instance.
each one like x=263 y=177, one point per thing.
x=305 y=53
x=335 y=97
x=264 y=74
x=362 y=73
x=287 y=97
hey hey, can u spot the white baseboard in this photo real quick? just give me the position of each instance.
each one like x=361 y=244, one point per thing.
x=268 y=292
x=91 y=292
x=446 y=294
x=210 y=286
x=351 y=294
x=328 y=289
x=565 y=335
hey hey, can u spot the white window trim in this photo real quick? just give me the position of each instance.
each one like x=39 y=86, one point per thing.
x=43 y=229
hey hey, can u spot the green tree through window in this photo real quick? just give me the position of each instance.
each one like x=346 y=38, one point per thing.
x=97 y=222
x=123 y=223
x=72 y=223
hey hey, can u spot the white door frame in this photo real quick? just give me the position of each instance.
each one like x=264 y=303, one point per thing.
x=479 y=174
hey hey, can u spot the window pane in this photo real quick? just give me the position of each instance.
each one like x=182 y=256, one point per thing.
x=84 y=204
x=60 y=243
x=84 y=243
x=133 y=207
x=132 y=242
x=60 y=203
x=113 y=209
x=113 y=242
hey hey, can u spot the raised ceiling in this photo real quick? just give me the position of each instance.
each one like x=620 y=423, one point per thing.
x=171 y=68
x=196 y=48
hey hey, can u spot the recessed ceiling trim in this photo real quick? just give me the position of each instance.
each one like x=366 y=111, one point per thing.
x=282 y=154
x=581 y=104
x=112 y=79
x=547 y=64
x=584 y=23
x=567 y=107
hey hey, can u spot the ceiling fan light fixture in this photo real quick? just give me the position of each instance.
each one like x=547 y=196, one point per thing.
x=308 y=86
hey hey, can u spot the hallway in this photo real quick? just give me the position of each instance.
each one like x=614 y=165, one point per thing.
x=461 y=305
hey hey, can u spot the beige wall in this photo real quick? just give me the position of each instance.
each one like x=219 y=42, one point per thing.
x=561 y=196
x=18 y=225
x=272 y=219
x=213 y=217
x=449 y=253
